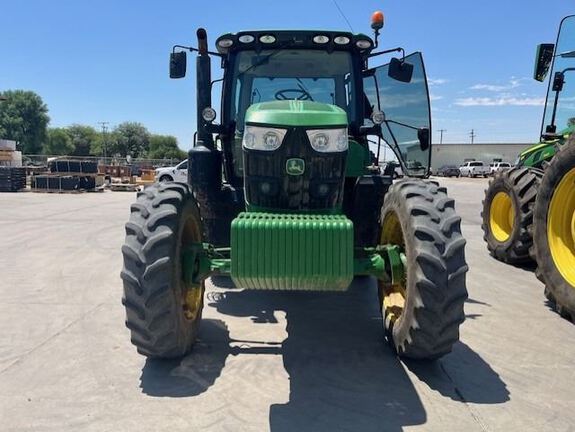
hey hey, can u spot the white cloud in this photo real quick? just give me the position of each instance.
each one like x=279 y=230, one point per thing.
x=437 y=81
x=500 y=101
x=435 y=97
x=513 y=83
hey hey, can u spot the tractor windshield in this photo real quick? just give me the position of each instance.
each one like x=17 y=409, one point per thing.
x=564 y=61
x=289 y=74
x=296 y=74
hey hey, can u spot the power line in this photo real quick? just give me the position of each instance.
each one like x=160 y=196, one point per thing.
x=104 y=126
x=472 y=134
x=441 y=135
x=343 y=15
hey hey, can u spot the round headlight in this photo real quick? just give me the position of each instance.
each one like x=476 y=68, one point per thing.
x=267 y=39
x=341 y=40
x=341 y=142
x=246 y=39
x=363 y=44
x=225 y=43
x=250 y=140
x=320 y=39
x=209 y=114
x=378 y=117
x=271 y=140
x=320 y=141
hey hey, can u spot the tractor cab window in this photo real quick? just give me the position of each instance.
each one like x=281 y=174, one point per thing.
x=564 y=60
x=288 y=74
x=406 y=108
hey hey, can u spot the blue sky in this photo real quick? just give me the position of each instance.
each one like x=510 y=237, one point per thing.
x=108 y=60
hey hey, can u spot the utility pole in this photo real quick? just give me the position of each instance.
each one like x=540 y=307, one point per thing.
x=472 y=134
x=104 y=126
x=441 y=135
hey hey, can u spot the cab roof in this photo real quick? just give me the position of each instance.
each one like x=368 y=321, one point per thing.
x=328 y=40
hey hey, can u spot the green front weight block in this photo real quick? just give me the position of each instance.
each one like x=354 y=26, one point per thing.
x=385 y=262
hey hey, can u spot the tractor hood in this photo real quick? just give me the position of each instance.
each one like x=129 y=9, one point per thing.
x=296 y=113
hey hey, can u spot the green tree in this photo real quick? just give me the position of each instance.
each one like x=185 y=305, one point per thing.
x=165 y=147
x=129 y=138
x=58 y=143
x=83 y=138
x=24 y=118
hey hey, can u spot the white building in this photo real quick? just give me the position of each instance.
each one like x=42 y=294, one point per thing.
x=457 y=154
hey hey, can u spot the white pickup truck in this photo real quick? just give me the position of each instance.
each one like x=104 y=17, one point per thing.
x=498 y=166
x=179 y=173
x=474 y=169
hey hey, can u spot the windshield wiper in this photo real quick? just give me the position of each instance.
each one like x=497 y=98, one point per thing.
x=303 y=88
x=266 y=58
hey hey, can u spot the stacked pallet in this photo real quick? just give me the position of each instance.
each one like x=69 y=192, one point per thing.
x=68 y=175
x=8 y=154
x=12 y=179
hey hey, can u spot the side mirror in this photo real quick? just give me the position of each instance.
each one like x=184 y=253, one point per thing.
x=178 y=64
x=543 y=59
x=558 y=81
x=424 y=138
x=400 y=70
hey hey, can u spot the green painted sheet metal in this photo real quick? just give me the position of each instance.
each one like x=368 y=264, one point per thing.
x=292 y=251
x=296 y=113
x=358 y=159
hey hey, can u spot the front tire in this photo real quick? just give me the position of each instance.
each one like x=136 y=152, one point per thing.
x=163 y=313
x=508 y=213
x=422 y=314
x=554 y=231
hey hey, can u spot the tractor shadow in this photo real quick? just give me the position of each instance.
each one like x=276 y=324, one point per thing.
x=196 y=372
x=342 y=375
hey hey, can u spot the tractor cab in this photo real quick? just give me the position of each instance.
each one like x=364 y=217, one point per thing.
x=559 y=59
x=302 y=120
x=559 y=116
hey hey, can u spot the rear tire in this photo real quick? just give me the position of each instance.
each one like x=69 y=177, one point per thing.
x=510 y=241
x=162 y=318
x=554 y=231
x=420 y=217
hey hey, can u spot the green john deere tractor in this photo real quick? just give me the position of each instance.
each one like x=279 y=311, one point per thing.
x=284 y=192
x=529 y=211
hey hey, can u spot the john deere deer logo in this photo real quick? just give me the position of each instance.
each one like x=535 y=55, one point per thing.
x=295 y=166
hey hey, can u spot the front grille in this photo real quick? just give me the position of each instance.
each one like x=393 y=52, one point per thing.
x=269 y=186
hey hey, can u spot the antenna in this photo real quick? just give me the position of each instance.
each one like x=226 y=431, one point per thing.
x=343 y=15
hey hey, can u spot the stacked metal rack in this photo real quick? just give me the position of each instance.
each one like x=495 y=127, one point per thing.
x=68 y=175
x=12 y=179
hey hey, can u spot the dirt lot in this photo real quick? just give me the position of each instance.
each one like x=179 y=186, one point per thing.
x=264 y=361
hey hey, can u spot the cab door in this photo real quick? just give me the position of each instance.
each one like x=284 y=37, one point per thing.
x=406 y=107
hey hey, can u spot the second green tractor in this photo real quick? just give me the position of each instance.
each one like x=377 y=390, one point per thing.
x=529 y=210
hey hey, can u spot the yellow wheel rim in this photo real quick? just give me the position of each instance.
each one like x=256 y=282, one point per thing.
x=193 y=302
x=394 y=295
x=502 y=216
x=192 y=294
x=561 y=227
